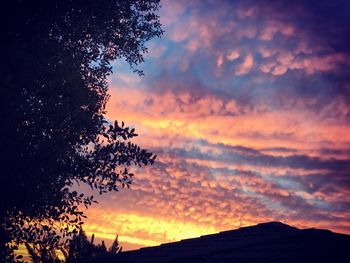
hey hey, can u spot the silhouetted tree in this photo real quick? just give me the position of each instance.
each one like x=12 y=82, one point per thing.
x=42 y=254
x=55 y=59
x=81 y=249
x=115 y=248
x=78 y=249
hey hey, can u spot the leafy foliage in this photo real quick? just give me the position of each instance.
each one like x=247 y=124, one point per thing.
x=42 y=254
x=54 y=91
x=115 y=248
x=79 y=249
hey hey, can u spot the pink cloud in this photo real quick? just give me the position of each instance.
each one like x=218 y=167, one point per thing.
x=321 y=64
x=247 y=12
x=246 y=31
x=279 y=70
x=193 y=45
x=271 y=28
x=285 y=57
x=184 y=65
x=178 y=34
x=246 y=65
x=156 y=50
x=266 y=52
x=232 y=55
x=171 y=12
x=279 y=61
x=220 y=60
x=223 y=121
x=267 y=67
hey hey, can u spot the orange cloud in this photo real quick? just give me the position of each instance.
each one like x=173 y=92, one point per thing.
x=220 y=121
x=140 y=229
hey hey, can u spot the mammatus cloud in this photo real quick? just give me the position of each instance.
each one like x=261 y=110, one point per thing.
x=246 y=65
x=247 y=106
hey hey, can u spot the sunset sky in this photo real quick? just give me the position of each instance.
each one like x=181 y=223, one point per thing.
x=247 y=105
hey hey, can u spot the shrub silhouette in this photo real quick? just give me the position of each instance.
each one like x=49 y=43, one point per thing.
x=79 y=249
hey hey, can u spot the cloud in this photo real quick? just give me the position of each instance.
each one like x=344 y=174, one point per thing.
x=190 y=199
x=248 y=108
x=232 y=55
x=246 y=65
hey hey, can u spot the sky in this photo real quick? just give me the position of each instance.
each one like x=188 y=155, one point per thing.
x=247 y=105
